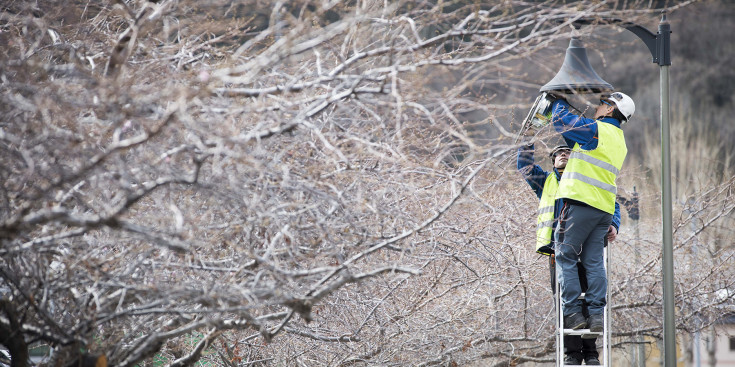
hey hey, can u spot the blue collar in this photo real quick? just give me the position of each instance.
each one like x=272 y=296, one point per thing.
x=612 y=121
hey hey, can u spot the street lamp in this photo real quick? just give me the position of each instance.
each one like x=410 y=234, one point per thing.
x=659 y=45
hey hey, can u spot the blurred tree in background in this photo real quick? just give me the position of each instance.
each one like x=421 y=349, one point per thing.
x=264 y=182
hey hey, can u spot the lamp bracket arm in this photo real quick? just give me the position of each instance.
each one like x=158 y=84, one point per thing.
x=658 y=44
x=646 y=36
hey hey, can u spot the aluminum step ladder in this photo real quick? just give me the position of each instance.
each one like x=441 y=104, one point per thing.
x=561 y=332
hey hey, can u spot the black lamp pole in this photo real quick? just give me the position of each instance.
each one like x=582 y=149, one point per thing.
x=660 y=46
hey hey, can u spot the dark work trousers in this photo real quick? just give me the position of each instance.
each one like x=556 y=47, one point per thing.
x=580 y=236
x=574 y=345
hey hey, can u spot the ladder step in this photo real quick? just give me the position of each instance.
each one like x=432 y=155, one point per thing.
x=581 y=332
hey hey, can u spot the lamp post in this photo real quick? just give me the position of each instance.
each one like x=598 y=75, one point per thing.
x=659 y=45
x=577 y=75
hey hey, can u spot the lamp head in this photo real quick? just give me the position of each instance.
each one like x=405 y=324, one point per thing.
x=576 y=74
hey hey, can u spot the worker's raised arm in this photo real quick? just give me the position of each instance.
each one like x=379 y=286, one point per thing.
x=534 y=175
x=574 y=128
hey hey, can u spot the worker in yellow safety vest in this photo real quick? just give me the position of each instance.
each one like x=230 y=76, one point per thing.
x=588 y=190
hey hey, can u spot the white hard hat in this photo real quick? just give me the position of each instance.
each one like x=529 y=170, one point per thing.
x=625 y=104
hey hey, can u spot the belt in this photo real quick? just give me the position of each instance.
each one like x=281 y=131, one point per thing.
x=575 y=202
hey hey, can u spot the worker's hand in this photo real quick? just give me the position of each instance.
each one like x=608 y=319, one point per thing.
x=530 y=131
x=612 y=232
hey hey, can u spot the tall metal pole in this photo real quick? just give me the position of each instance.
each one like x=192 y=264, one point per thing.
x=660 y=47
x=668 y=247
x=664 y=30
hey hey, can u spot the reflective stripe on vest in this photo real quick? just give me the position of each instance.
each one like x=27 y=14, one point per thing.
x=545 y=221
x=590 y=175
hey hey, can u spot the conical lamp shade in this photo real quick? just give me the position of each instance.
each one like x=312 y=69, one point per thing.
x=576 y=74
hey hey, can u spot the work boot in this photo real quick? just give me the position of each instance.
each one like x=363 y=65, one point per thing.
x=595 y=323
x=575 y=321
x=571 y=360
x=591 y=361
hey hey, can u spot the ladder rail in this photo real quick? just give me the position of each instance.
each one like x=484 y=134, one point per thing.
x=607 y=322
x=559 y=320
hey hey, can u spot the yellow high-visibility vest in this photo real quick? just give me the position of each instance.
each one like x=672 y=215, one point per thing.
x=590 y=175
x=545 y=221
